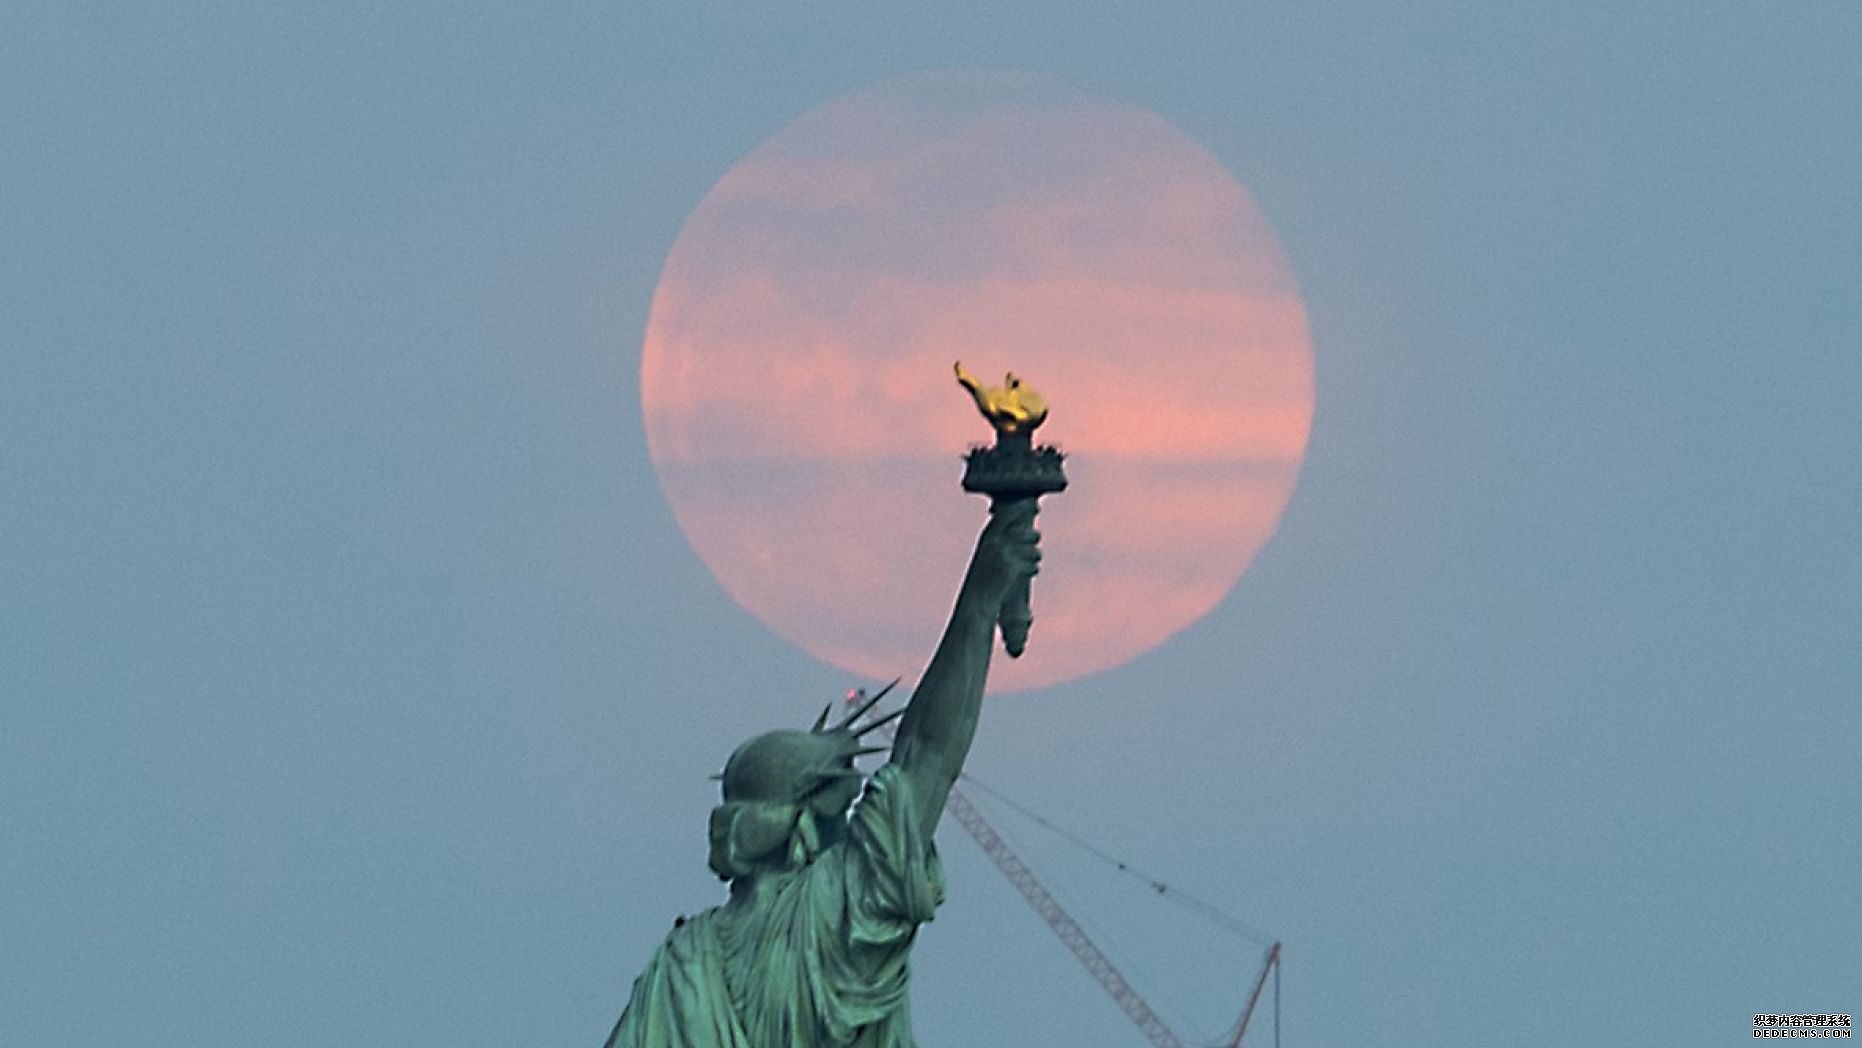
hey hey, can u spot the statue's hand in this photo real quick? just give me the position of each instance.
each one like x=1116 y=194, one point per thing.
x=1007 y=553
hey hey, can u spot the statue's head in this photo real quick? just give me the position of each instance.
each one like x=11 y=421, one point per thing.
x=787 y=793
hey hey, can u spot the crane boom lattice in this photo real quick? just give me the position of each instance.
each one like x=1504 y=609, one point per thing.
x=1096 y=963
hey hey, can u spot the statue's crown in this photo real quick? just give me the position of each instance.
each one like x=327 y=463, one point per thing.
x=786 y=766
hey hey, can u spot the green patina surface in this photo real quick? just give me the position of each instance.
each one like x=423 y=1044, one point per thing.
x=812 y=949
x=816 y=955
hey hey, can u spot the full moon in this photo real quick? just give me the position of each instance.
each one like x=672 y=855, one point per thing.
x=796 y=376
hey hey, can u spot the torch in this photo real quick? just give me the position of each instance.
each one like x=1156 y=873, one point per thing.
x=1011 y=469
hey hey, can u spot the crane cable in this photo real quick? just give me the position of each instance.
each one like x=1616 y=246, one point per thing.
x=1158 y=887
x=1220 y=917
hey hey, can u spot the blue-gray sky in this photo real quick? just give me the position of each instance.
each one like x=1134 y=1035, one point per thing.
x=357 y=687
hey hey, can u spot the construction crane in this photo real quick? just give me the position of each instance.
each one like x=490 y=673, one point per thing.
x=1094 y=960
x=1096 y=963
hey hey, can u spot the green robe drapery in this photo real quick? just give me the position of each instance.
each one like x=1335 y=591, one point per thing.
x=815 y=957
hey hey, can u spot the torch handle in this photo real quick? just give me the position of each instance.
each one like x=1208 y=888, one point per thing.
x=1016 y=615
x=1015 y=620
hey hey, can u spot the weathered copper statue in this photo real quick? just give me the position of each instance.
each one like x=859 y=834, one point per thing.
x=826 y=893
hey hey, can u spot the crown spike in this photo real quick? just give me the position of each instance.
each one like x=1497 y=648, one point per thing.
x=864 y=750
x=823 y=719
x=880 y=723
x=848 y=720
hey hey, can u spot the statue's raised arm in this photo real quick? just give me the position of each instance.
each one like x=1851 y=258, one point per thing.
x=940 y=721
x=826 y=894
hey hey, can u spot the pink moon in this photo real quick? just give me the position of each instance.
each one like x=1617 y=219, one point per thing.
x=796 y=376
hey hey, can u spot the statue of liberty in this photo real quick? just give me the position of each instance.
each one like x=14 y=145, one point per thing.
x=831 y=876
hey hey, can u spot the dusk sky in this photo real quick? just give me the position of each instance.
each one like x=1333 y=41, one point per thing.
x=358 y=685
